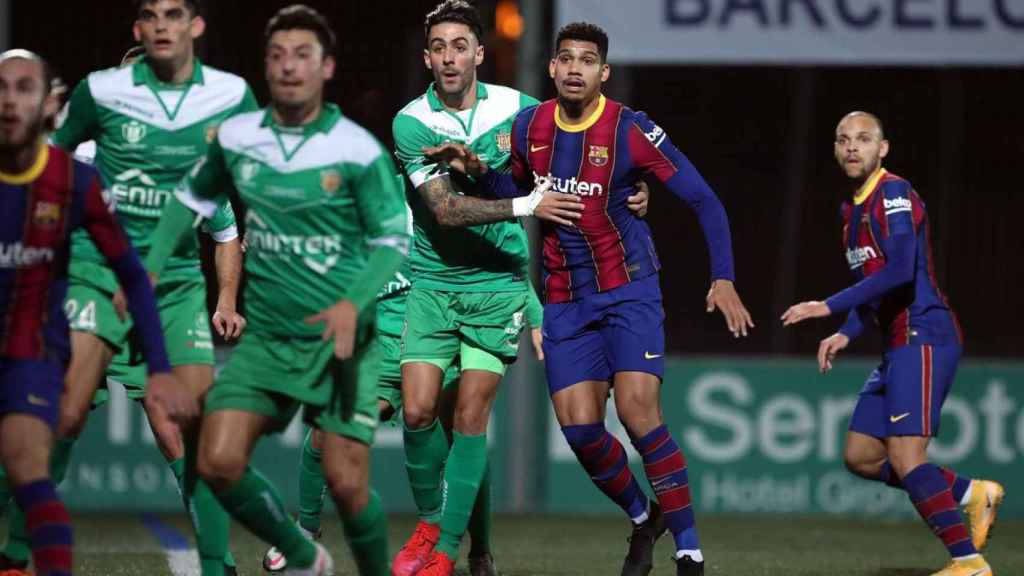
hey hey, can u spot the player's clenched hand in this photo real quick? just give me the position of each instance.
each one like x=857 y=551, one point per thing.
x=538 y=342
x=805 y=310
x=228 y=323
x=638 y=202
x=458 y=156
x=339 y=323
x=723 y=296
x=828 y=349
x=173 y=396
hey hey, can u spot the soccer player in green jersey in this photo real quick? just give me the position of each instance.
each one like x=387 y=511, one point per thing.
x=312 y=485
x=151 y=122
x=469 y=288
x=327 y=228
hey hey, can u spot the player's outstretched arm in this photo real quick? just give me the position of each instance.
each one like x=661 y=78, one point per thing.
x=652 y=151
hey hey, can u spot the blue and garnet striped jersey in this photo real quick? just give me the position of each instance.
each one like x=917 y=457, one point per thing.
x=887 y=240
x=600 y=160
x=38 y=211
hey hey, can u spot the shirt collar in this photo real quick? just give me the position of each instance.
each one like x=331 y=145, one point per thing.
x=142 y=73
x=329 y=116
x=437 y=106
x=868 y=187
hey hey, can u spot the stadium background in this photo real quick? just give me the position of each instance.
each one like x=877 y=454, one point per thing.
x=762 y=429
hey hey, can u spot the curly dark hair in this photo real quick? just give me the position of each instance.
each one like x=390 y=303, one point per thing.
x=584 y=32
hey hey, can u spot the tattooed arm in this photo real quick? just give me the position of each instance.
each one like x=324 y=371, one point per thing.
x=452 y=209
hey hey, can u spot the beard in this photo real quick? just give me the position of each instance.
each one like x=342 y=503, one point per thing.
x=32 y=133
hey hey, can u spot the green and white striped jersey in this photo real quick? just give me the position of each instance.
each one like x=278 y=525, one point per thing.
x=320 y=198
x=148 y=135
x=484 y=258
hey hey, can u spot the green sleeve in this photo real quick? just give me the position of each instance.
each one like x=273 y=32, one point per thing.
x=82 y=121
x=205 y=188
x=176 y=221
x=223 y=226
x=411 y=136
x=201 y=192
x=525 y=101
x=382 y=210
x=534 y=309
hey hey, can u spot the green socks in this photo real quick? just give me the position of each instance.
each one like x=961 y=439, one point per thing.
x=312 y=486
x=210 y=521
x=17 y=547
x=480 y=520
x=462 y=476
x=367 y=536
x=425 y=453
x=255 y=503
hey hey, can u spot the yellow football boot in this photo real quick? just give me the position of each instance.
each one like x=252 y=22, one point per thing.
x=981 y=509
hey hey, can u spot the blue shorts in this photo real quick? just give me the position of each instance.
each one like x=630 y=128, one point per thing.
x=31 y=387
x=621 y=330
x=904 y=395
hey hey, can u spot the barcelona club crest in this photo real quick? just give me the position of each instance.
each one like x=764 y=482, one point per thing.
x=598 y=155
x=330 y=180
x=133 y=132
x=46 y=214
x=504 y=141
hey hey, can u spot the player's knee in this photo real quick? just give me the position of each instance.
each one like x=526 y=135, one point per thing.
x=72 y=422
x=640 y=415
x=471 y=418
x=860 y=466
x=349 y=489
x=24 y=461
x=418 y=415
x=220 y=469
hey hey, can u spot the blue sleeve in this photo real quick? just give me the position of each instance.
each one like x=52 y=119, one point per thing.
x=142 y=305
x=853 y=326
x=501 y=185
x=898 y=242
x=653 y=152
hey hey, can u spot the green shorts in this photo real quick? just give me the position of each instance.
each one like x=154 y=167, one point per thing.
x=481 y=328
x=274 y=375
x=182 y=307
x=390 y=320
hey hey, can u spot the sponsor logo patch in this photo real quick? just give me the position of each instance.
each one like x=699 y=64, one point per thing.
x=133 y=132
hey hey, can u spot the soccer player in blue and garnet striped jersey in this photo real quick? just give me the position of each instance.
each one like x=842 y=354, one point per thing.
x=603 y=318
x=44 y=195
x=887 y=240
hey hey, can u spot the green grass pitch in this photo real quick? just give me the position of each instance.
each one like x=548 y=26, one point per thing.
x=593 y=546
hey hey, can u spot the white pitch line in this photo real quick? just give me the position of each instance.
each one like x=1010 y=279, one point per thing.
x=183 y=562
